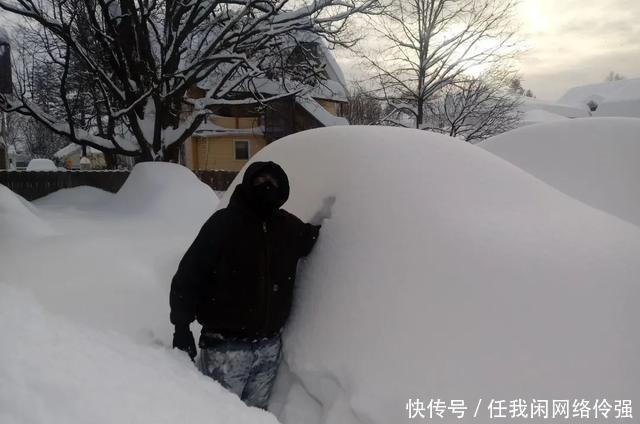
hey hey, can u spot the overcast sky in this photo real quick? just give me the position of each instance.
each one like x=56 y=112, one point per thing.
x=577 y=42
x=571 y=42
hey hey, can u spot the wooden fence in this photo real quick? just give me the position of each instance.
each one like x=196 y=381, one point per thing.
x=34 y=184
x=217 y=180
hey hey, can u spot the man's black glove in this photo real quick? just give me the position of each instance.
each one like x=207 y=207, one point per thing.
x=183 y=340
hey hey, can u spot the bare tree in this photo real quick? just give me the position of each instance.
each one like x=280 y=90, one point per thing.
x=361 y=107
x=128 y=65
x=476 y=108
x=427 y=45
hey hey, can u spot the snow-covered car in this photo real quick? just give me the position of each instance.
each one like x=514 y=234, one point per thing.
x=41 y=165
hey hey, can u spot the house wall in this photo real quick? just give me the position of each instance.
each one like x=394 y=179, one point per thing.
x=218 y=152
x=235 y=122
x=331 y=107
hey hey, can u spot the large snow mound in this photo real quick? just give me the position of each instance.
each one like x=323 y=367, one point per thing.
x=56 y=371
x=624 y=108
x=628 y=89
x=18 y=219
x=165 y=190
x=595 y=160
x=471 y=280
x=81 y=197
x=84 y=314
x=111 y=263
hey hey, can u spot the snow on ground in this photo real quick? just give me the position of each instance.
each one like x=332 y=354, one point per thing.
x=53 y=370
x=84 y=312
x=624 y=108
x=596 y=160
x=171 y=192
x=530 y=104
x=470 y=280
x=78 y=197
x=538 y=116
x=18 y=218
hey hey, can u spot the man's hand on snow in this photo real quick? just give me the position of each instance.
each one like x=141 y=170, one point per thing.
x=324 y=212
x=183 y=340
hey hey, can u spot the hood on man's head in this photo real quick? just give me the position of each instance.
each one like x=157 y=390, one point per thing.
x=272 y=169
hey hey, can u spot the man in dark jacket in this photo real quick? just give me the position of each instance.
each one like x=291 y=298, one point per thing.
x=237 y=280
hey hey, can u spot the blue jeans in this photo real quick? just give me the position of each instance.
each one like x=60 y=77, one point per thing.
x=246 y=368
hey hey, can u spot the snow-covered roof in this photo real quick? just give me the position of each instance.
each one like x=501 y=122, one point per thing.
x=333 y=88
x=71 y=149
x=334 y=71
x=622 y=90
x=320 y=113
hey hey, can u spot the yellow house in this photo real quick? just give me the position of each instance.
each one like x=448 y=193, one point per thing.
x=233 y=133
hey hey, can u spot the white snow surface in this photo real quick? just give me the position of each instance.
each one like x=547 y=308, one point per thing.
x=18 y=219
x=622 y=108
x=596 y=160
x=471 y=280
x=85 y=309
x=57 y=371
x=566 y=110
x=537 y=116
x=170 y=191
x=320 y=113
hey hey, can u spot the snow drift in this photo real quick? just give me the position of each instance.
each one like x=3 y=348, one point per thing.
x=165 y=190
x=84 y=313
x=56 y=371
x=594 y=160
x=18 y=219
x=470 y=280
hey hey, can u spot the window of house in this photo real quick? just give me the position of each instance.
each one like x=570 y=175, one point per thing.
x=241 y=149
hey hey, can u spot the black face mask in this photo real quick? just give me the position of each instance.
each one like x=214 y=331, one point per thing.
x=265 y=198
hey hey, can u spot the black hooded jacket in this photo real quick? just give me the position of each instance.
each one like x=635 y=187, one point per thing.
x=238 y=275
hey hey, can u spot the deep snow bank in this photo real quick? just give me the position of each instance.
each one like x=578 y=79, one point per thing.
x=470 y=279
x=56 y=371
x=84 y=316
x=165 y=190
x=111 y=263
x=18 y=219
x=595 y=160
x=76 y=197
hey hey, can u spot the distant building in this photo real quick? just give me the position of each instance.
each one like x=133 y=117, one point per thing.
x=70 y=157
x=234 y=133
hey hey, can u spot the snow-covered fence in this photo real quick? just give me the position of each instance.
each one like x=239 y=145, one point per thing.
x=218 y=180
x=34 y=184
